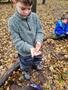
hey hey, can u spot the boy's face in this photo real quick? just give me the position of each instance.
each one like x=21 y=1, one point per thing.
x=23 y=9
x=65 y=21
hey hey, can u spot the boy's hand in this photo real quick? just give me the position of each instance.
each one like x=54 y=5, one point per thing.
x=66 y=32
x=38 y=46
x=32 y=52
x=37 y=53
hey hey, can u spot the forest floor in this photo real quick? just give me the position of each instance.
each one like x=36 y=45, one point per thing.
x=55 y=52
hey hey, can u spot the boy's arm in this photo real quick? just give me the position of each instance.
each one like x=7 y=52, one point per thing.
x=39 y=35
x=20 y=45
x=39 y=32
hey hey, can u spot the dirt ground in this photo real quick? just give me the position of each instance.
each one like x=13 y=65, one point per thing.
x=55 y=52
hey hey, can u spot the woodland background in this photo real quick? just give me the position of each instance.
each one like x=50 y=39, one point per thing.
x=55 y=52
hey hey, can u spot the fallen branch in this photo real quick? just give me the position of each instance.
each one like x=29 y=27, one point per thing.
x=9 y=73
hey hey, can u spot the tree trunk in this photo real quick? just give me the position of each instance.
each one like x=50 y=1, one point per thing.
x=9 y=0
x=34 y=6
x=43 y=2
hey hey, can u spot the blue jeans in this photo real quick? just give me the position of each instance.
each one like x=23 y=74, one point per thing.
x=27 y=62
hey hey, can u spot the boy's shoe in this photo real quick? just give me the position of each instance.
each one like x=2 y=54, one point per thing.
x=39 y=67
x=26 y=75
x=58 y=37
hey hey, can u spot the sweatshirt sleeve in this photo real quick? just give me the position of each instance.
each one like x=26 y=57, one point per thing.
x=59 y=30
x=39 y=32
x=20 y=45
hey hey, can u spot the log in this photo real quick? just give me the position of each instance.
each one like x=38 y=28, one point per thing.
x=9 y=72
x=15 y=87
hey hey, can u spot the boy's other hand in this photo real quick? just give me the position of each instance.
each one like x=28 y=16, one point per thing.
x=32 y=52
x=38 y=46
x=37 y=53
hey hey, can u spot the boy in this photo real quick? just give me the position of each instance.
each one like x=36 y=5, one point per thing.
x=61 y=29
x=27 y=35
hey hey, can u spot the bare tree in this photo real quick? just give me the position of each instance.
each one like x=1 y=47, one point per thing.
x=34 y=5
x=43 y=2
x=9 y=0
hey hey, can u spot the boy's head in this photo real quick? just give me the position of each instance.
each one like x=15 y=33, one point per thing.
x=23 y=6
x=64 y=18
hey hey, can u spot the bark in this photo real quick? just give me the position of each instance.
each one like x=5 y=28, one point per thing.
x=43 y=2
x=9 y=73
x=34 y=6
